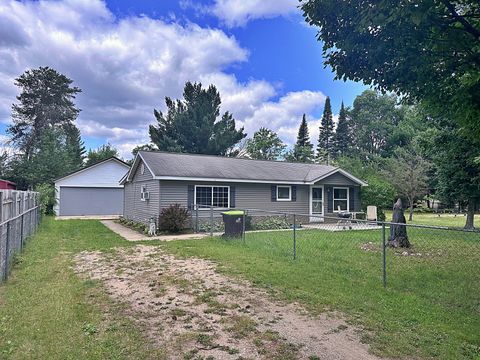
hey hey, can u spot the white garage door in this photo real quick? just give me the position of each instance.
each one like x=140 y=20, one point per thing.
x=76 y=201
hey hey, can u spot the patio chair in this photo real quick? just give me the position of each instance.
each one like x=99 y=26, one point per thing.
x=371 y=213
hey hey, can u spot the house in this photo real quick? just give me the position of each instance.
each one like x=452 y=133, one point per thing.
x=7 y=185
x=159 y=179
x=92 y=191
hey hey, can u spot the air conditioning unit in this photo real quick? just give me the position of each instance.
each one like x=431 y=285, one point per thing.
x=145 y=195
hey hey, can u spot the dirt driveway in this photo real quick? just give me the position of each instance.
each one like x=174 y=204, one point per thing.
x=185 y=307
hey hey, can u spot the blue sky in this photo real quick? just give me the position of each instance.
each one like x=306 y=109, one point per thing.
x=127 y=56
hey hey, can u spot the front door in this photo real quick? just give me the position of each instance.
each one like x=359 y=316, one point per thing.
x=316 y=204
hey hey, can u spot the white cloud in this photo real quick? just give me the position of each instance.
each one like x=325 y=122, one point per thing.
x=238 y=12
x=126 y=66
x=285 y=115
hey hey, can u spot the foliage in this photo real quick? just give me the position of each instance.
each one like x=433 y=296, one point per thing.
x=47 y=198
x=265 y=145
x=408 y=172
x=102 y=153
x=145 y=147
x=50 y=160
x=375 y=119
x=379 y=192
x=191 y=125
x=173 y=218
x=325 y=146
x=269 y=223
x=207 y=226
x=45 y=102
x=428 y=50
x=303 y=148
x=342 y=138
x=75 y=147
x=134 y=225
x=458 y=174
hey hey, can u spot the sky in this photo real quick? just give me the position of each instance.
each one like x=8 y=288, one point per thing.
x=127 y=56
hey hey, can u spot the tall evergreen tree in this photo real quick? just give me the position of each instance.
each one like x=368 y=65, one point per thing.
x=46 y=101
x=193 y=125
x=325 y=148
x=303 y=149
x=75 y=147
x=342 y=140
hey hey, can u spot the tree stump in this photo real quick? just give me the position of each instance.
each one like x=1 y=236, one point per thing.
x=398 y=233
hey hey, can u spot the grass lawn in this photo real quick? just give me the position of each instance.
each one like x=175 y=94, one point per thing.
x=47 y=312
x=430 y=308
x=449 y=220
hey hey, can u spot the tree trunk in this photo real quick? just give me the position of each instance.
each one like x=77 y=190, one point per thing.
x=469 y=225
x=410 y=215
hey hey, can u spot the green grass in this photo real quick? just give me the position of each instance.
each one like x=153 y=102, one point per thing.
x=430 y=308
x=449 y=220
x=47 y=312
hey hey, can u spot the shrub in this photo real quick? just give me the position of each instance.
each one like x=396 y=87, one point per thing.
x=47 y=198
x=218 y=226
x=173 y=218
x=271 y=223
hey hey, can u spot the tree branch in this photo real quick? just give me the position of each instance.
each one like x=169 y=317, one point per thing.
x=468 y=27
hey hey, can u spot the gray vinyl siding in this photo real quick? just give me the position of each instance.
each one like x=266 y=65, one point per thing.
x=136 y=209
x=247 y=195
x=337 y=179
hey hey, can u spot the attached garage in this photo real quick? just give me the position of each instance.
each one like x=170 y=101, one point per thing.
x=92 y=191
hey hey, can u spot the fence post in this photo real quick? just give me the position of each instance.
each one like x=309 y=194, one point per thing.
x=294 y=237
x=21 y=232
x=211 y=220
x=1 y=206
x=384 y=255
x=7 y=251
x=243 y=225
x=196 y=218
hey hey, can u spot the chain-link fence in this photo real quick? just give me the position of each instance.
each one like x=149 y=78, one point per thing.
x=358 y=249
x=19 y=218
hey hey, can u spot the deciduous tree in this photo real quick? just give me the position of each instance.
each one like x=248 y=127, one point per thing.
x=426 y=50
x=102 y=153
x=265 y=145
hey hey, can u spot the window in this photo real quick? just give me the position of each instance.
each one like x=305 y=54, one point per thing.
x=284 y=193
x=216 y=196
x=142 y=169
x=144 y=194
x=340 y=199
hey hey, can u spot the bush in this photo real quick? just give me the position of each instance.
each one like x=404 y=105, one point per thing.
x=173 y=218
x=47 y=198
x=271 y=223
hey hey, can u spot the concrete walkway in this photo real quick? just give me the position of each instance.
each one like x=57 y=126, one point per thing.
x=87 y=217
x=132 y=235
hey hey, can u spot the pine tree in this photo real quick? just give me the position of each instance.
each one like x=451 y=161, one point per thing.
x=303 y=149
x=325 y=146
x=46 y=102
x=75 y=147
x=195 y=125
x=342 y=139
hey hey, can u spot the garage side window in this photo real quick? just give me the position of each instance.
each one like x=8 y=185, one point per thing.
x=216 y=196
x=144 y=194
